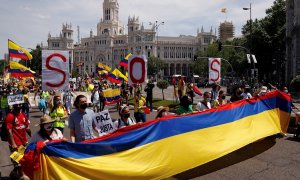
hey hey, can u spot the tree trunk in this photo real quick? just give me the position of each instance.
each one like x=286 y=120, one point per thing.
x=162 y=90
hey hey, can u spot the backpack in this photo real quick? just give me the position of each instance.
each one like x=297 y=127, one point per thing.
x=4 y=132
x=42 y=104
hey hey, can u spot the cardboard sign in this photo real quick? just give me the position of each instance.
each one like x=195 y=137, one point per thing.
x=137 y=69
x=214 y=70
x=18 y=155
x=55 y=70
x=104 y=123
x=15 y=99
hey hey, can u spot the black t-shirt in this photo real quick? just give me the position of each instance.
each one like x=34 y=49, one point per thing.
x=235 y=98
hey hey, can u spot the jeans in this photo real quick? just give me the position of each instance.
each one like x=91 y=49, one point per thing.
x=149 y=100
x=140 y=117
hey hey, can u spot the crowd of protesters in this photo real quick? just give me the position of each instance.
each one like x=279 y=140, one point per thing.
x=57 y=108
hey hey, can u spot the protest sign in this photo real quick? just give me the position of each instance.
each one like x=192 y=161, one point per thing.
x=55 y=70
x=18 y=154
x=104 y=123
x=15 y=99
x=214 y=70
x=137 y=69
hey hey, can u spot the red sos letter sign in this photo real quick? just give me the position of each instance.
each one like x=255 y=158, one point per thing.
x=216 y=71
x=55 y=70
x=63 y=58
x=137 y=69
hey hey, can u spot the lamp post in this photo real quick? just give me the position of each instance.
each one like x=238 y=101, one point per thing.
x=250 y=42
x=156 y=24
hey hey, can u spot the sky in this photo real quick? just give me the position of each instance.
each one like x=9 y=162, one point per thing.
x=28 y=22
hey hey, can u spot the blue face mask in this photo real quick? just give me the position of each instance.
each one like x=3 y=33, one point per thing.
x=208 y=99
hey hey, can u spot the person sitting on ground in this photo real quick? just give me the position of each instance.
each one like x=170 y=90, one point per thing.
x=125 y=119
x=162 y=111
x=47 y=131
x=237 y=95
x=205 y=103
x=221 y=99
x=186 y=106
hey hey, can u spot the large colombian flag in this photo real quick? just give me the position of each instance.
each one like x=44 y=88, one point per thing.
x=162 y=148
x=18 y=70
x=16 y=51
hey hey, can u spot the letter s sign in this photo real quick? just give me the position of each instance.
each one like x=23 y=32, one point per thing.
x=55 y=70
x=214 y=70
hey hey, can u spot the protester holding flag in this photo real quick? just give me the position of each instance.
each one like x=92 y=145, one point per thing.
x=81 y=122
x=125 y=119
x=186 y=106
x=47 y=131
x=205 y=103
x=221 y=99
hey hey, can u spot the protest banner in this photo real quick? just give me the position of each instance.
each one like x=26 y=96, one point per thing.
x=15 y=99
x=104 y=123
x=214 y=65
x=158 y=149
x=137 y=71
x=55 y=70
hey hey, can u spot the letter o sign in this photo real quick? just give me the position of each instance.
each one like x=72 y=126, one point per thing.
x=137 y=70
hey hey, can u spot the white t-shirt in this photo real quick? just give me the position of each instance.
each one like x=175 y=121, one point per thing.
x=200 y=106
x=96 y=97
x=119 y=123
x=56 y=135
x=246 y=95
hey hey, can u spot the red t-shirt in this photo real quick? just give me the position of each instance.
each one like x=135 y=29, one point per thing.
x=18 y=124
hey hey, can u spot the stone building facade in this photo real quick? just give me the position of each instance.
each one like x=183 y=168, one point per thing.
x=110 y=44
x=292 y=39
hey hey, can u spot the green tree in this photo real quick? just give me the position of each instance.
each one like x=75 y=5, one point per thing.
x=235 y=56
x=162 y=84
x=267 y=41
x=155 y=64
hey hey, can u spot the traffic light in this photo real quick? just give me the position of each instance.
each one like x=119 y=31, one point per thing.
x=220 y=46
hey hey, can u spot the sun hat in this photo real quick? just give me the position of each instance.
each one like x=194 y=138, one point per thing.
x=46 y=119
x=263 y=89
x=161 y=108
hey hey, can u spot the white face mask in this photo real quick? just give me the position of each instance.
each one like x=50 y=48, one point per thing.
x=286 y=91
x=48 y=127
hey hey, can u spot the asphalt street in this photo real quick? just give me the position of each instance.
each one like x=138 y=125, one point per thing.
x=270 y=158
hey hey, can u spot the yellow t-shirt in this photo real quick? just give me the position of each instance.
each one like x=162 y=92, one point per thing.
x=141 y=102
